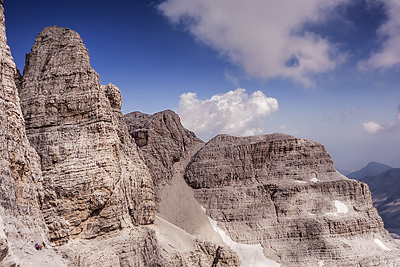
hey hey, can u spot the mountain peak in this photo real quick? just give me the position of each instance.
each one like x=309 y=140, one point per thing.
x=373 y=168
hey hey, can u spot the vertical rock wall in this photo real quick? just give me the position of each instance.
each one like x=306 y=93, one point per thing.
x=21 y=222
x=95 y=180
x=90 y=181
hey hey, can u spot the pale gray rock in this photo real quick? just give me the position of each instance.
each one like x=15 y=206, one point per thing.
x=21 y=222
x=183 y=231
x=133 y=247
x=276 y=192
x=179 y=248
x=95 y=180
x=163 y=140
x=284 y=193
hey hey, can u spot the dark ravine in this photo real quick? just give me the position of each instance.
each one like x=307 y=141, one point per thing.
x=103 y=189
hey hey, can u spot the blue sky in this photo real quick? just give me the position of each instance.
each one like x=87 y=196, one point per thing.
x=322 y=70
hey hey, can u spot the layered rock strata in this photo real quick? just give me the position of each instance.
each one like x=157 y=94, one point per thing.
x=131 y=246
x=94 y=178
x=21 y=222
x=183 y=231
x=275 y=199
x=284 y=193
x=163 y=140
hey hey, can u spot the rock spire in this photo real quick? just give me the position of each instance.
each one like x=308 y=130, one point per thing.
x=95 y=180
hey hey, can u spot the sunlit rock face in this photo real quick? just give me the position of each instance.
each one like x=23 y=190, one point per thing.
x=284 y=193
x=94 y=178
x=252 y=201
x=21 y=222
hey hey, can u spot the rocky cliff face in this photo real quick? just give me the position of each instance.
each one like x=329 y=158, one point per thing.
x=97 y=188
x=182 y=229
x=21 y=222
x=163 y=140
x=94 y=178
x=272 y=200
x=284 y=193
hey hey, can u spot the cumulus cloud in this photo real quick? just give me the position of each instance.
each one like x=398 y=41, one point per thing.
x=376 y=128
x=234 y=112
x=267 y=38
x=373 y=127
x=389 y=54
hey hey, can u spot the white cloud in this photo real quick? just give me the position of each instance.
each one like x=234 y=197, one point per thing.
x=266 y=38
x=389 y=55
x=375 y=128
x=234 y=112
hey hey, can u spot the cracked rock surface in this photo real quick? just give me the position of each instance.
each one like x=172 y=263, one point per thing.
x=94 y=178
x=163 y=140
x=283 y=192
x=21 y=221
x=141 y=190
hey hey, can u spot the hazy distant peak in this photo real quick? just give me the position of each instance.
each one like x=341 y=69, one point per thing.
x=372 y=169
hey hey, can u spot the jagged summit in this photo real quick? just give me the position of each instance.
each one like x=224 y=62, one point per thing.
x=94 y=179
x=141 y=190
x=163 y=140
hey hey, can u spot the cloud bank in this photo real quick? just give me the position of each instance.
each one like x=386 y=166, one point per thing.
x=376 y=128
x=234 y=112
x=389 y=54
x=266 y=38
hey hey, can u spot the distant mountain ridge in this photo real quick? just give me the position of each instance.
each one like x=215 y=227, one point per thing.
x=101 y=189
x=386 y=197
x=372 y=169
x=384 y=183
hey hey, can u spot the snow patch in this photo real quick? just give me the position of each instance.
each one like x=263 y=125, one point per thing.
x=203 y=209
x=311 y=214
x=314 y=180
x=381 y=245
x=300 y=182
x=321 y=263
x=249 y=255
x=340 y=208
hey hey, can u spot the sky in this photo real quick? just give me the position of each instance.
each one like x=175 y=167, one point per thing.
x=326 y=70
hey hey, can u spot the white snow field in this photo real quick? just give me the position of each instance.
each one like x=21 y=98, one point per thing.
x=249 y=255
